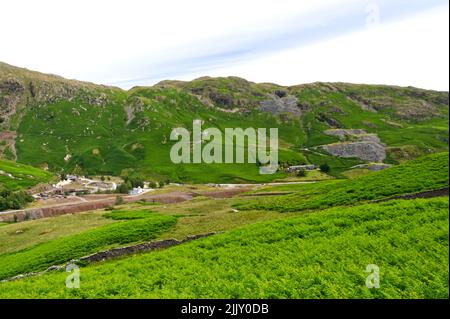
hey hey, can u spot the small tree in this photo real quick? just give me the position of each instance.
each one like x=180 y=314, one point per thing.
x=161 y=184
x=325 y=167
x=301 y=172
x=119 y=200
x=102 y=178
x=124 y=188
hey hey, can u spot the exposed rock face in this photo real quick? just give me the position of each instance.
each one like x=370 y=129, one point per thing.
x=328 y=120
x=284 y=104
x=20 y=88
x=366 y=151
x=367 y=147
x=131 y=109
x=354 y=134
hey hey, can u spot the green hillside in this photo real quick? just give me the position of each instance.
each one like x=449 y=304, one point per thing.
x=317 y=255
x=426 y=173
x=15 y=176
x=144 y=226
x=92 y=129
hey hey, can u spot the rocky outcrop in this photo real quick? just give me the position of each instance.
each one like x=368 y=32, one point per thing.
x=136 y=105
x=328 y=120
x=357 y=135
x=373 y=166
x=21 y=88
x=366 y=151
x=280 y=103
x=359 y=144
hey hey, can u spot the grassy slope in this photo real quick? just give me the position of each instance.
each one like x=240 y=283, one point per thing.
x=143 y=227
x=23 y=175
x=319 y=255
x=101 y=142
x=425 y=173
x=18 y=236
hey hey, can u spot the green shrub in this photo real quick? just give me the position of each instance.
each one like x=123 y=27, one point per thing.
x=325 y=167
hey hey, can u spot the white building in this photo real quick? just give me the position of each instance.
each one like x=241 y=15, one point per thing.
x=136 y=191
x=299 y=167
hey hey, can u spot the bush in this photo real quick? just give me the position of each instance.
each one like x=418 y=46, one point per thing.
x=301 y=173
x=325 y=167
x=124 y=188
x=119 y=200
x=14 y=200
x=134 y=181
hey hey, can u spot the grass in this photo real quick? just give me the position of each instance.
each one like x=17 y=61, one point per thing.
x=23 y=176
x=317 y=255
x=18 y=236
x=204 y=215
x=426 y=173
x=357 y=172
x=61 y=250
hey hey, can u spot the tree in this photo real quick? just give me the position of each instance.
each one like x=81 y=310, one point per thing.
x=124 y=188
x=102 y=178
x=134 y=181
x=301 y=172
x=14 y=200
x=119 y=200
x=161 y=184
x=325 y=167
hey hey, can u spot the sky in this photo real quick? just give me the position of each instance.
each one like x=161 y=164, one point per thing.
x=288 y=42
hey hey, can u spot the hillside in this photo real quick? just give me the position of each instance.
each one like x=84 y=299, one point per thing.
x=310 y=240
x=318 y=255
x=426 y=173
x=58 y=124
x=14 y=176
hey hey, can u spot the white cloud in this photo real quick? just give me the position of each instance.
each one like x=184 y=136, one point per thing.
x=414 y=51
x=108 y=41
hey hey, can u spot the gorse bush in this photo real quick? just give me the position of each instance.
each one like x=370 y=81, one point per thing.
x=136 y=226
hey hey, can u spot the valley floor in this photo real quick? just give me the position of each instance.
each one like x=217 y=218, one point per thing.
x=309 y=240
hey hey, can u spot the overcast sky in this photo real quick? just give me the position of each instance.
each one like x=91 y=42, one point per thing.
x=133 y=42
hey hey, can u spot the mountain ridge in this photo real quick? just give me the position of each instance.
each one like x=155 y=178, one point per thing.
x=59 y=124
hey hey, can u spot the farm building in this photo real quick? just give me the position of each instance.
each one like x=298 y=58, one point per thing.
x=299 y=167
